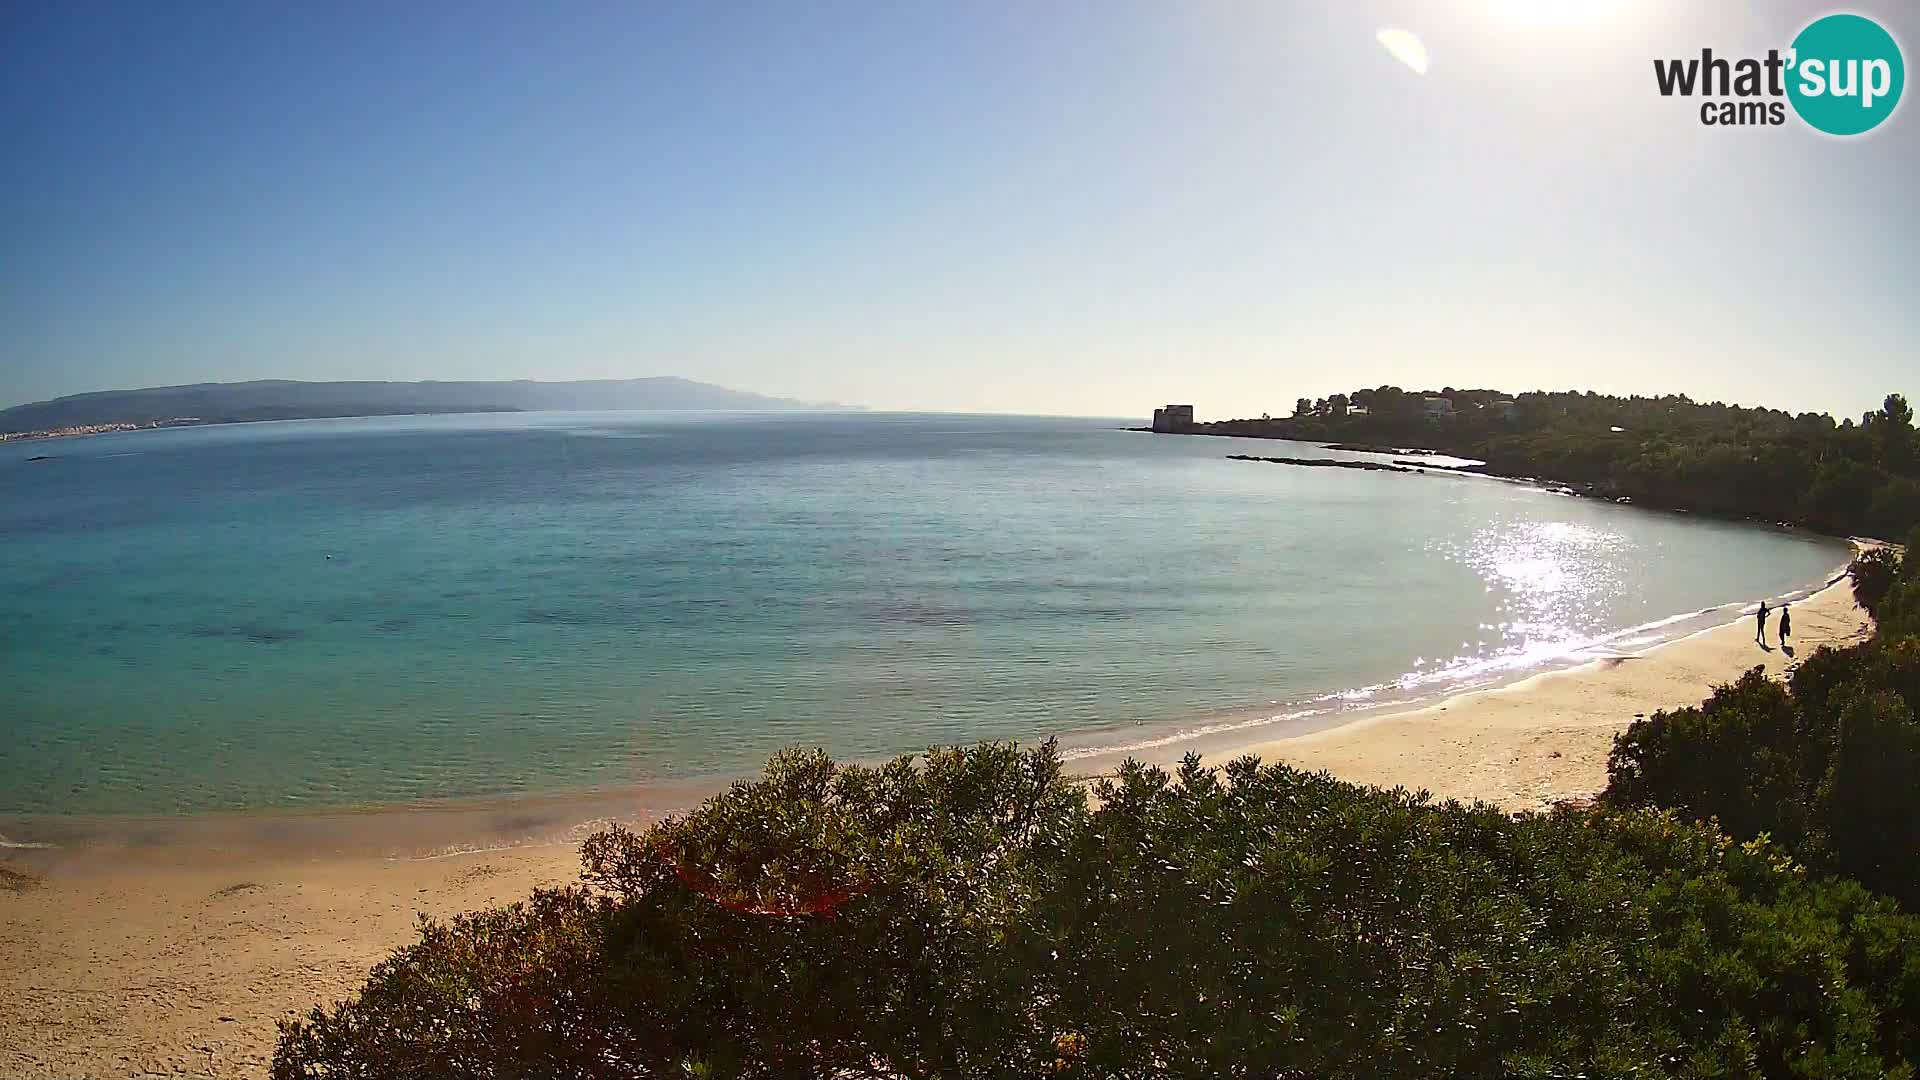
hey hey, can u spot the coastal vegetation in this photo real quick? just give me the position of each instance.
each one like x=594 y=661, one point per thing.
x=1843 y=477
x=979 y=912
x=1824 y=765
x=978 y=915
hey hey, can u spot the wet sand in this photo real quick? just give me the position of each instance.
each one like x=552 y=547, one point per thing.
x=172 y=947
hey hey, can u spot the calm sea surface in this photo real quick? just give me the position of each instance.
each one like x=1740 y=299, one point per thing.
x=371 y=611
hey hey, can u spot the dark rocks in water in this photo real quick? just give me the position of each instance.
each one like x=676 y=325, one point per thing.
x=1369 y=448
x=258 y=633
x=1326 y=463
x=41 y=457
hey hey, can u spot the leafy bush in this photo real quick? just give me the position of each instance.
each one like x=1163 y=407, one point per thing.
x=1897 y=606
x=1874 y=573
x=1869 y=803
x=813 y=923
x=1736 y=758
x=1826 y=765
x=979 y=913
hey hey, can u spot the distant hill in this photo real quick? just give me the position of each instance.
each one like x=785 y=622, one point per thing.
x=286 y=400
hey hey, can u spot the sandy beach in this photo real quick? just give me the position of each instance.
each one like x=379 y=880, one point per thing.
x=177 y=960
x=1545 y=739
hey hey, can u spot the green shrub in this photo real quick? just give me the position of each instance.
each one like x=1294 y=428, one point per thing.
x=1828 y=765
x=978 y=914
x=1899 y=610
x=1869 y=801
x=811 y=923
x=1874 y=573
x=1736 y=758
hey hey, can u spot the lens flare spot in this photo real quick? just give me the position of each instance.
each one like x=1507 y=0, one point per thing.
x=1404 y=47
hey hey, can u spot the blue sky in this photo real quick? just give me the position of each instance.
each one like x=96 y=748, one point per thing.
x=1086 y=207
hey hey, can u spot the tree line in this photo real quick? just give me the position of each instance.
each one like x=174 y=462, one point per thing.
x=1841 y=477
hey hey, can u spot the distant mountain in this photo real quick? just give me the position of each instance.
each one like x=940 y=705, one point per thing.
x=285 y=400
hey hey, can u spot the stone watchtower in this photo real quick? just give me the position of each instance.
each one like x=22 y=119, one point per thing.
x=1173 y=418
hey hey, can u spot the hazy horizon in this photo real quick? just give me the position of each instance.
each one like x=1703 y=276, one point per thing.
x=993 y=208
x=854 y=406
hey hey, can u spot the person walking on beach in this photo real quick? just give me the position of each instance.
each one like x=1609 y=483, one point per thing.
x=1786 y=623
x=1760 y=624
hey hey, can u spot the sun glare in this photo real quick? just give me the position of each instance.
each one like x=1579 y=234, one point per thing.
x=1405 y=48
x=1556 y=12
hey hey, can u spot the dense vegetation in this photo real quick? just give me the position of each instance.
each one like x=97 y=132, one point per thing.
x=977 y=914
x=1673 y=452
x=1827 y=765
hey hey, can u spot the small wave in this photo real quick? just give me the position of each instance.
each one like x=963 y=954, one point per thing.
x=454 y=851
x=1417 y=688
x=1199 y=732
x=572 y=834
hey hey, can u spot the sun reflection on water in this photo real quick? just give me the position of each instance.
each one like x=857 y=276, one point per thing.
x=1554 y=583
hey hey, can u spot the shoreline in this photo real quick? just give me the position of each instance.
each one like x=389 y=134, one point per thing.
x=60 y=845
x=1582 y=489
x=49 y=845
x=163 y=958
x=1544 y=739
x=1231 y=731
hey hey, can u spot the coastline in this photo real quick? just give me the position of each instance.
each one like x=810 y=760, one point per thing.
x=1469 y=466
x=149 y=955
x=77 y=845
x=1544 y=739
x=1222 y=735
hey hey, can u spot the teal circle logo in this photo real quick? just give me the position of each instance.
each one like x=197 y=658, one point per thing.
x=1845 y=74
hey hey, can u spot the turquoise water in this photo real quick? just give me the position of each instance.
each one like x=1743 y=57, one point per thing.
x=370 y=611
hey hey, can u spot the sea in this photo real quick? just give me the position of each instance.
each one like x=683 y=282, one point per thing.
x=368 y=612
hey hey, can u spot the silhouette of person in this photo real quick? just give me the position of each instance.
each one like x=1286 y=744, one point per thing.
x=1760 y=624
x=1786 y=623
